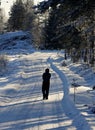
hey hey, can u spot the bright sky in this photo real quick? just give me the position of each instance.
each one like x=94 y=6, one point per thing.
x=6 y=4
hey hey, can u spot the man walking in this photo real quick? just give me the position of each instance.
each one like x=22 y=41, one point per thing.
x=46 y=83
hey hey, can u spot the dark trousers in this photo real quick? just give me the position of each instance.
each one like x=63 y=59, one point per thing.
x=45 y=89
x=45 y=93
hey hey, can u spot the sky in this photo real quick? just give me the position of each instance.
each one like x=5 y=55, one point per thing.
x=6 y=4
x=21 y=101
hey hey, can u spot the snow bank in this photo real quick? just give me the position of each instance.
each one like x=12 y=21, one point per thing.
x=16 y=42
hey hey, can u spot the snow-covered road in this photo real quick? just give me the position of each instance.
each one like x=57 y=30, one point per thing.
x=21 y=104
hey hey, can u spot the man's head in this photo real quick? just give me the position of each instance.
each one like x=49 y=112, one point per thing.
x=47 y=70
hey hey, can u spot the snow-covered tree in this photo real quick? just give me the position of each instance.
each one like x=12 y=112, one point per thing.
x=17 y=16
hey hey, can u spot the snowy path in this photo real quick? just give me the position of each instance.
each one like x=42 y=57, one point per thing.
x=21 y=104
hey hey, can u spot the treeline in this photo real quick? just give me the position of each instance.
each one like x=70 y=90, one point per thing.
x=58 y=24
x=71 y=26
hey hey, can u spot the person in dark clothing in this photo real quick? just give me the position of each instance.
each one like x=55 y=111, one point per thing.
x=46 y=83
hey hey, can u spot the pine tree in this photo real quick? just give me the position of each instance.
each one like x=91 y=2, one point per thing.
x=51 y=30
x=1 y=20
x=29 y=15
x=17 y=16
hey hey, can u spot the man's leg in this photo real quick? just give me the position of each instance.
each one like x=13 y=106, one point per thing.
x=43 y=92
x=47 y=93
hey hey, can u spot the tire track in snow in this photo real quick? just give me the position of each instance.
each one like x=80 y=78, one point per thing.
x=27 y=111
x=68 y=106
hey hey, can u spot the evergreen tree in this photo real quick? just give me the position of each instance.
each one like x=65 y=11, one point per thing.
x=51 y=30
x=17 y=16
x=29 y=20
x=1 y=20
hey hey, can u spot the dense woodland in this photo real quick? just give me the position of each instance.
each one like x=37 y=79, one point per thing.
x=57 y=24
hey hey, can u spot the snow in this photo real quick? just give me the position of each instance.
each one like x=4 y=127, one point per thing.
x=69 y=107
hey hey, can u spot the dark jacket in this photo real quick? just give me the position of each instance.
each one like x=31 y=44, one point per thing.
x=46 y=80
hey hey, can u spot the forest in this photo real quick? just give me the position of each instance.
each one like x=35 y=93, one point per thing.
x=56 y=25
